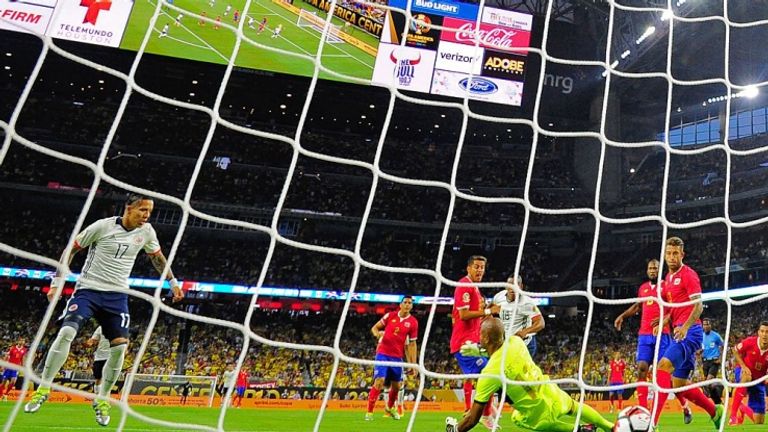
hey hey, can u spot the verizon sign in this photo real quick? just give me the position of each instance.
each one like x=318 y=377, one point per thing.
x=28 y=17
x=459 y=58
x=489 y=35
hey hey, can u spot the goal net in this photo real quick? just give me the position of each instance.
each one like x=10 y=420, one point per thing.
x=566 y=144
x=316 y=23
x=145 y=389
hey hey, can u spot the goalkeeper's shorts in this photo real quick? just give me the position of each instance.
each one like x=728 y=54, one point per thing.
x=551 y=404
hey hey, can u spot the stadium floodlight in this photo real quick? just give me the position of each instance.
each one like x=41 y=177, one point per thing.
x=625 y=54
x=649 y=31
x=668 y=14
x=750 y=92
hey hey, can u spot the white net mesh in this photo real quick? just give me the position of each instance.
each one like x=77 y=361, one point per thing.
x=602 y=141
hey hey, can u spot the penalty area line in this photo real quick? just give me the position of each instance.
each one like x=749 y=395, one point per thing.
x=181 y=41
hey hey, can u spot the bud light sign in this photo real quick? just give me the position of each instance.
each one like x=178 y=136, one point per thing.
x=464 y=10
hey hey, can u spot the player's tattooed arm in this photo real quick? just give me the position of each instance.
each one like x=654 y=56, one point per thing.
x=698 y=308
x=68 y=259
x=57 y=283
x=680 y=332
x=159 y=262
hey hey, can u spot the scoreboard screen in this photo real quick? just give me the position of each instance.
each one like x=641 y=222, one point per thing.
x=445 y=42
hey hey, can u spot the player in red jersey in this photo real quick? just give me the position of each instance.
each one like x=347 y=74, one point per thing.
x=617 y=365
x=674 y=369
x=240 y=387
x=468 y=312
x=262 y=25
x=395 y=332
x=646 y=335
x=752 y=355
x=15 y=356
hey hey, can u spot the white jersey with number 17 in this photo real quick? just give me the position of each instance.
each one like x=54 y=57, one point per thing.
x=112 y=253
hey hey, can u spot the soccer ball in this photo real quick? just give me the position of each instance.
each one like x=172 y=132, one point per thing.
x=634 y=419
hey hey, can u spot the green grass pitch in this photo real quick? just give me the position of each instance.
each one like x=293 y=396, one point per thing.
x=60 y=417
x=194 y=41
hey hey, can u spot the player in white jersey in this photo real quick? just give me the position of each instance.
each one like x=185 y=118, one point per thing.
x=163 y=32
x=101 y=292
x=521 y=317
x=100 y=357
x=228 y=378
x=277 y=30
x=227 y=9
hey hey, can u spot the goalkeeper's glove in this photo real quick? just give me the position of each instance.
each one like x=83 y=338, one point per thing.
x=451 y=424
x=471 y=349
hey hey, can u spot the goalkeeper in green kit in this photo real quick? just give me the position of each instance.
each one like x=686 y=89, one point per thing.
x=538 y=407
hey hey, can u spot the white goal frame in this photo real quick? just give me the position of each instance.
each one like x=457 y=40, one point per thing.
x=316 y=23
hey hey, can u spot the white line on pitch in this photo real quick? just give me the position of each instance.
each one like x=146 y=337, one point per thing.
x=226 y=59
x=346 y=53
x=181 y=41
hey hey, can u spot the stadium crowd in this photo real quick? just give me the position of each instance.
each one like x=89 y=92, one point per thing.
x=211 y=348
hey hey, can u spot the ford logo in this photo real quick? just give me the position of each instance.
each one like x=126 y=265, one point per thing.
x=479 y=86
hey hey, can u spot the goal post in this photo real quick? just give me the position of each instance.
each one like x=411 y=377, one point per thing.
x=147 y=388
x=309 y=19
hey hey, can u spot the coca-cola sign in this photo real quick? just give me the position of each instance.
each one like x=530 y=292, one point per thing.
x=490 y=35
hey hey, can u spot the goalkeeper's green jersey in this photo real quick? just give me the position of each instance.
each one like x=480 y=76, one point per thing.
x=535 y=404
